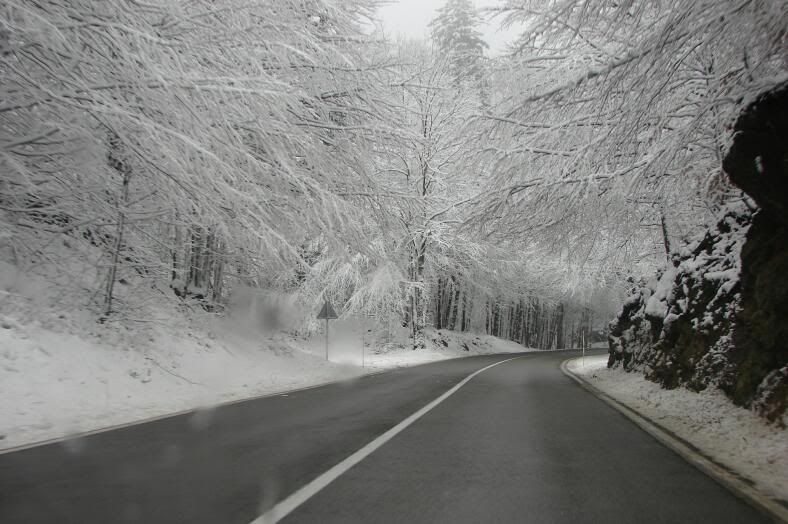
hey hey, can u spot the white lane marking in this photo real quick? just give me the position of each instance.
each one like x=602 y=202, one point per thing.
x=286 y=506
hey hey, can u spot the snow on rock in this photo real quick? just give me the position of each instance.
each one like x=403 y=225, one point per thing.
x=676 y=328
x=722 y=323
x=657 y=306
x=731 y=435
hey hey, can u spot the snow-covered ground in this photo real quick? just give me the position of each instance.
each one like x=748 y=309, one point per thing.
x=62 y=373
x=731 y=435
x=57 y=383
x=440 y=345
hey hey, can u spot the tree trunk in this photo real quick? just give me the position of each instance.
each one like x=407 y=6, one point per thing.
x=665 y=237
x=125 y=170
x=560 y=342
x=465 y=313
x=418 y=257
x=218 y=273
x=455 y=303
x=439 y=304
x=176 y=245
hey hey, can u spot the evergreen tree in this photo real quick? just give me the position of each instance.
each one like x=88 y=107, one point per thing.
x=454 y=32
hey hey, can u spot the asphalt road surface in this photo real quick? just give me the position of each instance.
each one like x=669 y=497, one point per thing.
x=518 y=443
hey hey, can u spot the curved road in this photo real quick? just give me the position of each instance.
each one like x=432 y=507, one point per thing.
x=519 y=442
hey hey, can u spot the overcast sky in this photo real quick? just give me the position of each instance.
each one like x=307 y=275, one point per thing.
x=412 y=17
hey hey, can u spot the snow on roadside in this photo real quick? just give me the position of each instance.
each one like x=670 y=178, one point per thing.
x=54 y=384
x=440 y=345
x=732 y=435
x=61 y=374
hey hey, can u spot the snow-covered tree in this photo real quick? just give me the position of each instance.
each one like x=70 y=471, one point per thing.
x=608 y=134
x=184 y=140
x=426 y=175
x=423 y=164
x=455 y=33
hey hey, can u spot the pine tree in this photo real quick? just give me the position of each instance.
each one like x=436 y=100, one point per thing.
x=454 y=32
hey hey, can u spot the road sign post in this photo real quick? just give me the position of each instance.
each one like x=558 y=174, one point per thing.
x=328 y=313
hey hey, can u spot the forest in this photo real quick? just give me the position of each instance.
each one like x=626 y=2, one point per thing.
x=188 y=148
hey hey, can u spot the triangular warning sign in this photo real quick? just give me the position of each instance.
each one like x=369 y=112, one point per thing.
x=327 y=311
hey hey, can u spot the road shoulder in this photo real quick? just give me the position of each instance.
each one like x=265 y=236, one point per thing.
x=734 y=481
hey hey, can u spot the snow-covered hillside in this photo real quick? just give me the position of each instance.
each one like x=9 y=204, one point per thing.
x=62 y=372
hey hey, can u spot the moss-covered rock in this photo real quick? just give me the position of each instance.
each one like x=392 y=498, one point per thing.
x=721 y=317
x=675 y=327
x=757 y=372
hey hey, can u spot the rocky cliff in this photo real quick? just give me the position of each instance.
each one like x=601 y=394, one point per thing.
x=719 y=316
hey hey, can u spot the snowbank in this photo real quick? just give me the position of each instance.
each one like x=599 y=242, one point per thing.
x=59 y=383
x=440 y=345
x=61 y=373
x=731 y=435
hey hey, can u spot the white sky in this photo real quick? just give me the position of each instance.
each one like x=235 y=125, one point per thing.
x=411 y=18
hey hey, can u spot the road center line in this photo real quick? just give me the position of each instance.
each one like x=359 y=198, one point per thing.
x=286 y=506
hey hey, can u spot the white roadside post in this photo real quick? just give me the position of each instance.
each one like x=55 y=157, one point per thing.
x=328 y=313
